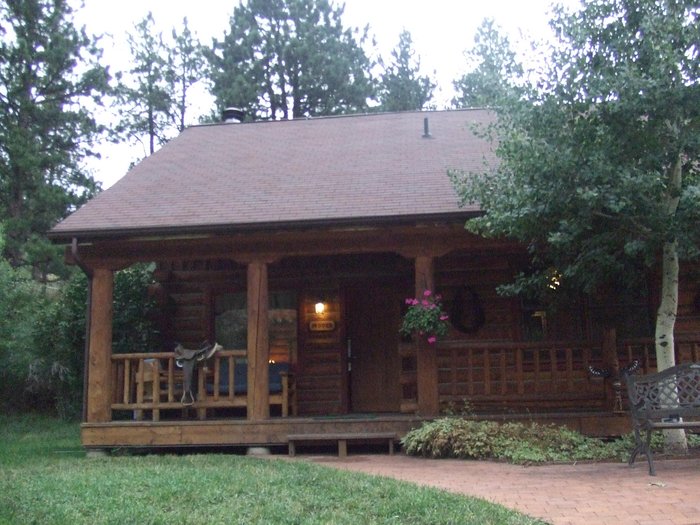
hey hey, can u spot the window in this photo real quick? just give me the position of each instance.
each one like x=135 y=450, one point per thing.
x=231 y=323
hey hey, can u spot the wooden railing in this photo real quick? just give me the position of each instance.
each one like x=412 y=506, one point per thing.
x=687 y=347
x=537 y=375
x=152 y=382
x=508 y=375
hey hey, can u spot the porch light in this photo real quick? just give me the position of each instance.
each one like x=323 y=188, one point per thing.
x=320 y=307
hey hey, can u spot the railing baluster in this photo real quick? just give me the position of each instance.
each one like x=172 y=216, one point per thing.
x=231 y=364
x=171 y=379
x=504 y=381
x=647 y=363
x=470 y=371
x=453 y=370
x=553 y=368
x=519 y=374
x=487 y=372
x=217 y=373
x=127 y=381
x=569 y=369
x=155 y=378
x=138 y=414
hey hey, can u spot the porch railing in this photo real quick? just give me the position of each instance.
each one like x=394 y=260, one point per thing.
x=152 y=382
x=533 y=375
x=687 y=348
x=503 y=376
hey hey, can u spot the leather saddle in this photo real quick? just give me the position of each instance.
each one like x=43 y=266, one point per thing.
x=187 y=359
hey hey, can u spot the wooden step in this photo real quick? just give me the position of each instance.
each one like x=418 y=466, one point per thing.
x=342 y=439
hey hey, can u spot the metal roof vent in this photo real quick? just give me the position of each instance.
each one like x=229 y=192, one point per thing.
x=233 y=115
x=426 y=129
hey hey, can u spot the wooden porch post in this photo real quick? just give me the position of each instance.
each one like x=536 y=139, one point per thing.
x=612 y=362
x=99 y=387
x=426 y=362
x=258 y=342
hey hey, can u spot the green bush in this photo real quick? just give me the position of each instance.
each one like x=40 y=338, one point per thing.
x=454 y=437
x=42 y=335
x=21 y=302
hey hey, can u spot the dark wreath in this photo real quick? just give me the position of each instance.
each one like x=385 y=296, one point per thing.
x=467 y=313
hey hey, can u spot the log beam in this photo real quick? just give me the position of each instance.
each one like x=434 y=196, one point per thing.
x=258 y=342
x=426 y=363
x=99 y=387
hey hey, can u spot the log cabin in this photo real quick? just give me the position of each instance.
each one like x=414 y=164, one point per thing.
x=294 y=245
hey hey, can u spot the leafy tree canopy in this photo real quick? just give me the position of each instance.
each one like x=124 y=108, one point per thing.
x=286 y=59
x=49 y=78
x=598 y=168
x=401 y=87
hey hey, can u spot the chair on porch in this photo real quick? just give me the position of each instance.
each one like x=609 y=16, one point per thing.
x=147 y=385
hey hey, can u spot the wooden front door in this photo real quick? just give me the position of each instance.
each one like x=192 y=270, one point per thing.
x=373 y=315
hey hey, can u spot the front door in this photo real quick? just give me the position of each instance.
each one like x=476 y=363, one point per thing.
x=373 y=314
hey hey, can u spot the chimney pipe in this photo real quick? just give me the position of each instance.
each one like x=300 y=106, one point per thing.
x=426 y=129
x=233 y=115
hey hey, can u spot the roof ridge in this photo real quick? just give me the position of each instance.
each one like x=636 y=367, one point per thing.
x=342 y=116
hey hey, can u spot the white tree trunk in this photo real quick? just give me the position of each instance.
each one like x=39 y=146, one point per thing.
x=674 y=440
x=668 y=308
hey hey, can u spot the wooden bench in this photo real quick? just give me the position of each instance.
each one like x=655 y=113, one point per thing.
x=342 y=439
x=663 y=401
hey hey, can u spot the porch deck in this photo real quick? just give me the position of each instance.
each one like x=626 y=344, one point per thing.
x=275 y=431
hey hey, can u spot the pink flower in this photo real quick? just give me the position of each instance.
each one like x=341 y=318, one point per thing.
x=444 y=317
x=409 y=301
x=432 y=339
x=427 y=293
x=425 y=302
x=414 y=302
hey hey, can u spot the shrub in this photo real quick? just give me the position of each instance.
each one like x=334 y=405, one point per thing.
x=42 y=335
x=21 y=302
x=454 y=437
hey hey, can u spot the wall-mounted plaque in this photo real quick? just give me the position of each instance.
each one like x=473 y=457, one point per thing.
x=322 y=326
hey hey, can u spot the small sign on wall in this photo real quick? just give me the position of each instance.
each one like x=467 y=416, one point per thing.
x=322 y=326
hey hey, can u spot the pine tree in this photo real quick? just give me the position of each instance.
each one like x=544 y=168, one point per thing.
x=286 y=59
x=401 y=88
x=50 y=78
x=494 y=70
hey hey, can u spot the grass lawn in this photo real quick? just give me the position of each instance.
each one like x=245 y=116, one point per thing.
x=45 y=478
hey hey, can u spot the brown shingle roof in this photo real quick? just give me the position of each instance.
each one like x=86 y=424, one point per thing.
x=350 y=169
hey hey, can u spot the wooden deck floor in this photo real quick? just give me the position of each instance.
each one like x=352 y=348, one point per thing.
x=240 y=432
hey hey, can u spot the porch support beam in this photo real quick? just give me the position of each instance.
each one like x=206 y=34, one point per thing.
x=611 y=361
x=99 y=377
x=426 y=354
x=258 y=342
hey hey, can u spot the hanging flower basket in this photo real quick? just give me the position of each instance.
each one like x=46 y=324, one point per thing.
x=425 y=317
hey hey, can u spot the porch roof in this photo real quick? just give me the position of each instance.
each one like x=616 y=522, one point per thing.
x=350 y=170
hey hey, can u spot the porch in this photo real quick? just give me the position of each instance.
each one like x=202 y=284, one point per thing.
x=276 y=431
x=349 y=370
x=543 y=382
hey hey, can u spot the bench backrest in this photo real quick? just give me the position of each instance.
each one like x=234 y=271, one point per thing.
x=240 y=377
x=671 y=392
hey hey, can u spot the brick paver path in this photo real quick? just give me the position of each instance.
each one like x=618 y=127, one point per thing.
x=590 y=494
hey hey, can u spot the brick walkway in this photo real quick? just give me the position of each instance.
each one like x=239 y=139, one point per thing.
x=590 y=494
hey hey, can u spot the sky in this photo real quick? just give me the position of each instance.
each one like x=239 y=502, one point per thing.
x=442 y=30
